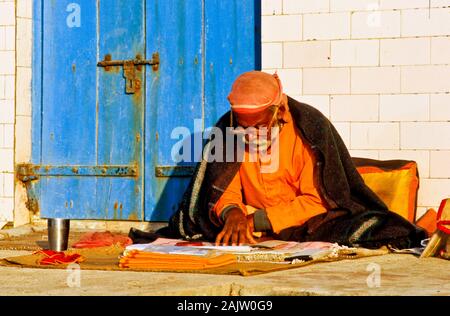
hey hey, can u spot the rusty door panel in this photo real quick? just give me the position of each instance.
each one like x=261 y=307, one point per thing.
x=87 y=119
x=69 y=86
x=68 y=109
x=100 y=152
x=174 y=94
x=120 y=115
x=203 y=46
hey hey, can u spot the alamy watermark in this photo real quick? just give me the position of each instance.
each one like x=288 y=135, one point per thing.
x=73 y=279
x=374 y=278
x=74 y=17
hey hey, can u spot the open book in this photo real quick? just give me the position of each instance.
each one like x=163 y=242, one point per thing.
x=179 y=251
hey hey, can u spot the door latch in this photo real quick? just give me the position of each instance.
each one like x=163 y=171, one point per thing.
x=132 y=82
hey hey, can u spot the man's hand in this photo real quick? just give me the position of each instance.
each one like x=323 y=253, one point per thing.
x=238 y=229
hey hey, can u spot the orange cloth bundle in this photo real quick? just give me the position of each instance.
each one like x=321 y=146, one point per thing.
x=102 y=239
x=57 y=257
x=396 y=182
x=137 y=259
x=428 y=221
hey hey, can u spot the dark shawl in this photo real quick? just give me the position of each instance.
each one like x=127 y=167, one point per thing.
x=356 y=216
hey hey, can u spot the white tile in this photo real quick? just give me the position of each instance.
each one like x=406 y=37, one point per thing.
x=326 y=81
x=355 y=53
x=7 y=111
x=8 y=64
x=8 y=135
x=306 y=54
x=6 y=160
x=305 y=6
x=1 y=186
x=23 y=99
x=10 y=87
x=320 y=102
x=403 y=4
x=6 y=209
x=433 y=191
x=271 y=7
x=344 y=131
x=440 y=107
x=24 y=41
x=353 y=5
x=421 y=157
x=21 y=212
x=354 y=108
x=440 y=50
x=2 y=37
x=2 y=87
x=376 y=24
x=424 y=22
x=375 y=136
x=281 y=28
x=24 y=9
x=370 y=154
x=425 y=79
x=10 y=38
x=8 y=188
x=7 y=13
x=440 y=3
x=270 y=70
x=405 y=51
x=23 y=139
x=425 y=135
x=374 y=80
x=326 y=26
x=291 y=80
x=2 y=136
x=272 y=55
x=440 y=164
x=404 y=107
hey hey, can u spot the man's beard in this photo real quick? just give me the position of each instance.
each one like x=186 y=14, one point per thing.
x=263 y=142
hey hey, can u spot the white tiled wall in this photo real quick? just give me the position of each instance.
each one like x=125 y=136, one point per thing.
x=22 y=150
x=15 y=104
x=379 y=69
x=7 y=108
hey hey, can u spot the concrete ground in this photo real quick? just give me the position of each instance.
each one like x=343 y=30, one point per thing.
x=394 y=274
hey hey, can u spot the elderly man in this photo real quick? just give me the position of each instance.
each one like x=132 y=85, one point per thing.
x=314 y=193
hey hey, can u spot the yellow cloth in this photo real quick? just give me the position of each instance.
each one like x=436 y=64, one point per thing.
x=289 y=195
x=396 y=188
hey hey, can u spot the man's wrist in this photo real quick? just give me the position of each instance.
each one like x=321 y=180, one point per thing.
x=261 y=222
x=226 y=210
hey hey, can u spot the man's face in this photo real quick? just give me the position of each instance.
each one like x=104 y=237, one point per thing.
x=263 y=120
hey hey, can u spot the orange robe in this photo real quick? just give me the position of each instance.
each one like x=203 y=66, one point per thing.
x=289 y=195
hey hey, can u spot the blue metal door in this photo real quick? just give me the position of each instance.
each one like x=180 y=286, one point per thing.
x=102 y=142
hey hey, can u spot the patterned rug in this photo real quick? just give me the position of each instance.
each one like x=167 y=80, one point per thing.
x=107 y=258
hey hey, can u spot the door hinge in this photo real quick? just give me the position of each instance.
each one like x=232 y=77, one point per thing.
x=30 y=172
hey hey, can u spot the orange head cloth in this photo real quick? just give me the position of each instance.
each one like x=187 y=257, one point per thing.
x=255 y=91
